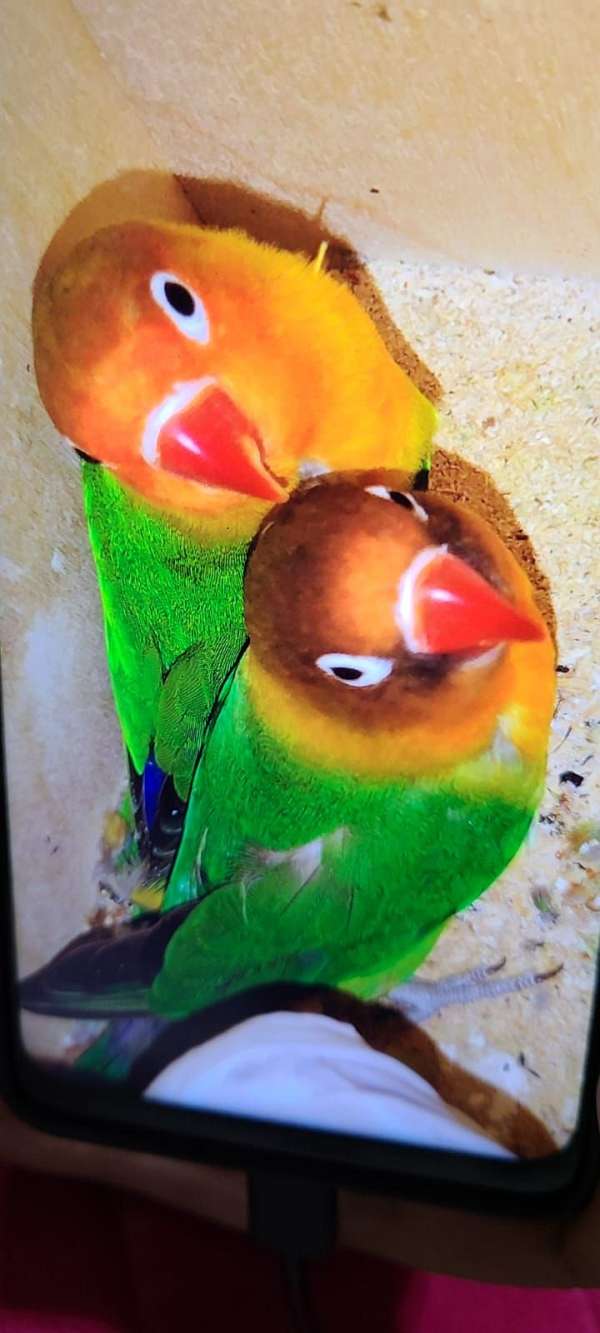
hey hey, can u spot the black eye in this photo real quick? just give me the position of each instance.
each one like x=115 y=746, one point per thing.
x=400 y=498
x=179 y=298
x=183 y=307
x=354 y=669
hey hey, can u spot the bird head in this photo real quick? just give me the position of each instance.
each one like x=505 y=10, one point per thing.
x=386 y=610
x=203 y=368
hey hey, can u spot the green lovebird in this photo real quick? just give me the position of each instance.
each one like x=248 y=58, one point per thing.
x=201 y=375
x=372 y=765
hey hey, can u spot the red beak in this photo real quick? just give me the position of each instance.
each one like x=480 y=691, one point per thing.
x=213 y=442
x=452 y=609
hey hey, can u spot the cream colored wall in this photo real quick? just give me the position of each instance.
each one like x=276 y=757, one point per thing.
x=476 y=120
x=68 y=127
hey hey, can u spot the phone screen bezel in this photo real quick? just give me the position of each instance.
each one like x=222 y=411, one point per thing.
x=57 y=1102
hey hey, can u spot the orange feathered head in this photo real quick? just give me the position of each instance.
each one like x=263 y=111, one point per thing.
x=203 y=367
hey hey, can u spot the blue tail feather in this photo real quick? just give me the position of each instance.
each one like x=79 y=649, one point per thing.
x=153 y=780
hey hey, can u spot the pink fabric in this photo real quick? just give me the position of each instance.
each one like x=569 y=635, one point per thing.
x=77 y=1258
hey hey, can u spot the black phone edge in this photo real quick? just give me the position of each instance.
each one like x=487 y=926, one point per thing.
x=90 y=1111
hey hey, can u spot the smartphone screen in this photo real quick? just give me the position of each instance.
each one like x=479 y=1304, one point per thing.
x=163 y=943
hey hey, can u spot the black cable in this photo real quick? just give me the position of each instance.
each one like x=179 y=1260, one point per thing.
x=296 y=1218
x=299 y=1299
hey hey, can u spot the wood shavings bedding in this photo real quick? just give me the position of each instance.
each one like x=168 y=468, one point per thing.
x=518 y=360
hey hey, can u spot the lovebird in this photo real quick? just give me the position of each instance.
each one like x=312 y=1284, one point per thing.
x=201 y=375
x=372 y=764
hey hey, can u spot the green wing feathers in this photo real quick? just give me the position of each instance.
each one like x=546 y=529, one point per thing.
x=340 y=911
x=186 y=696
x=316 y=879
x=173 y=612
x=281 y=921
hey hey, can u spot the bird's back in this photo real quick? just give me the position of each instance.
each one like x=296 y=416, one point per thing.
x=173 y=620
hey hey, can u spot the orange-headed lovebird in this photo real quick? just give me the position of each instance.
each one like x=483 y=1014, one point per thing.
x=201 y=375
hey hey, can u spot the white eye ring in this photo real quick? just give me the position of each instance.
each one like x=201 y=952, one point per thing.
x=385 y=493
x=182 y=306
x=370 y=670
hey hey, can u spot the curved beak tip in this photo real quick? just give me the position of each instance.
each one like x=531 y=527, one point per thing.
x=457 y=610
x=212 y=441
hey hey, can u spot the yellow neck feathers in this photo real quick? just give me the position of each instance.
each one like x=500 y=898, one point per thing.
x=466 y=725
